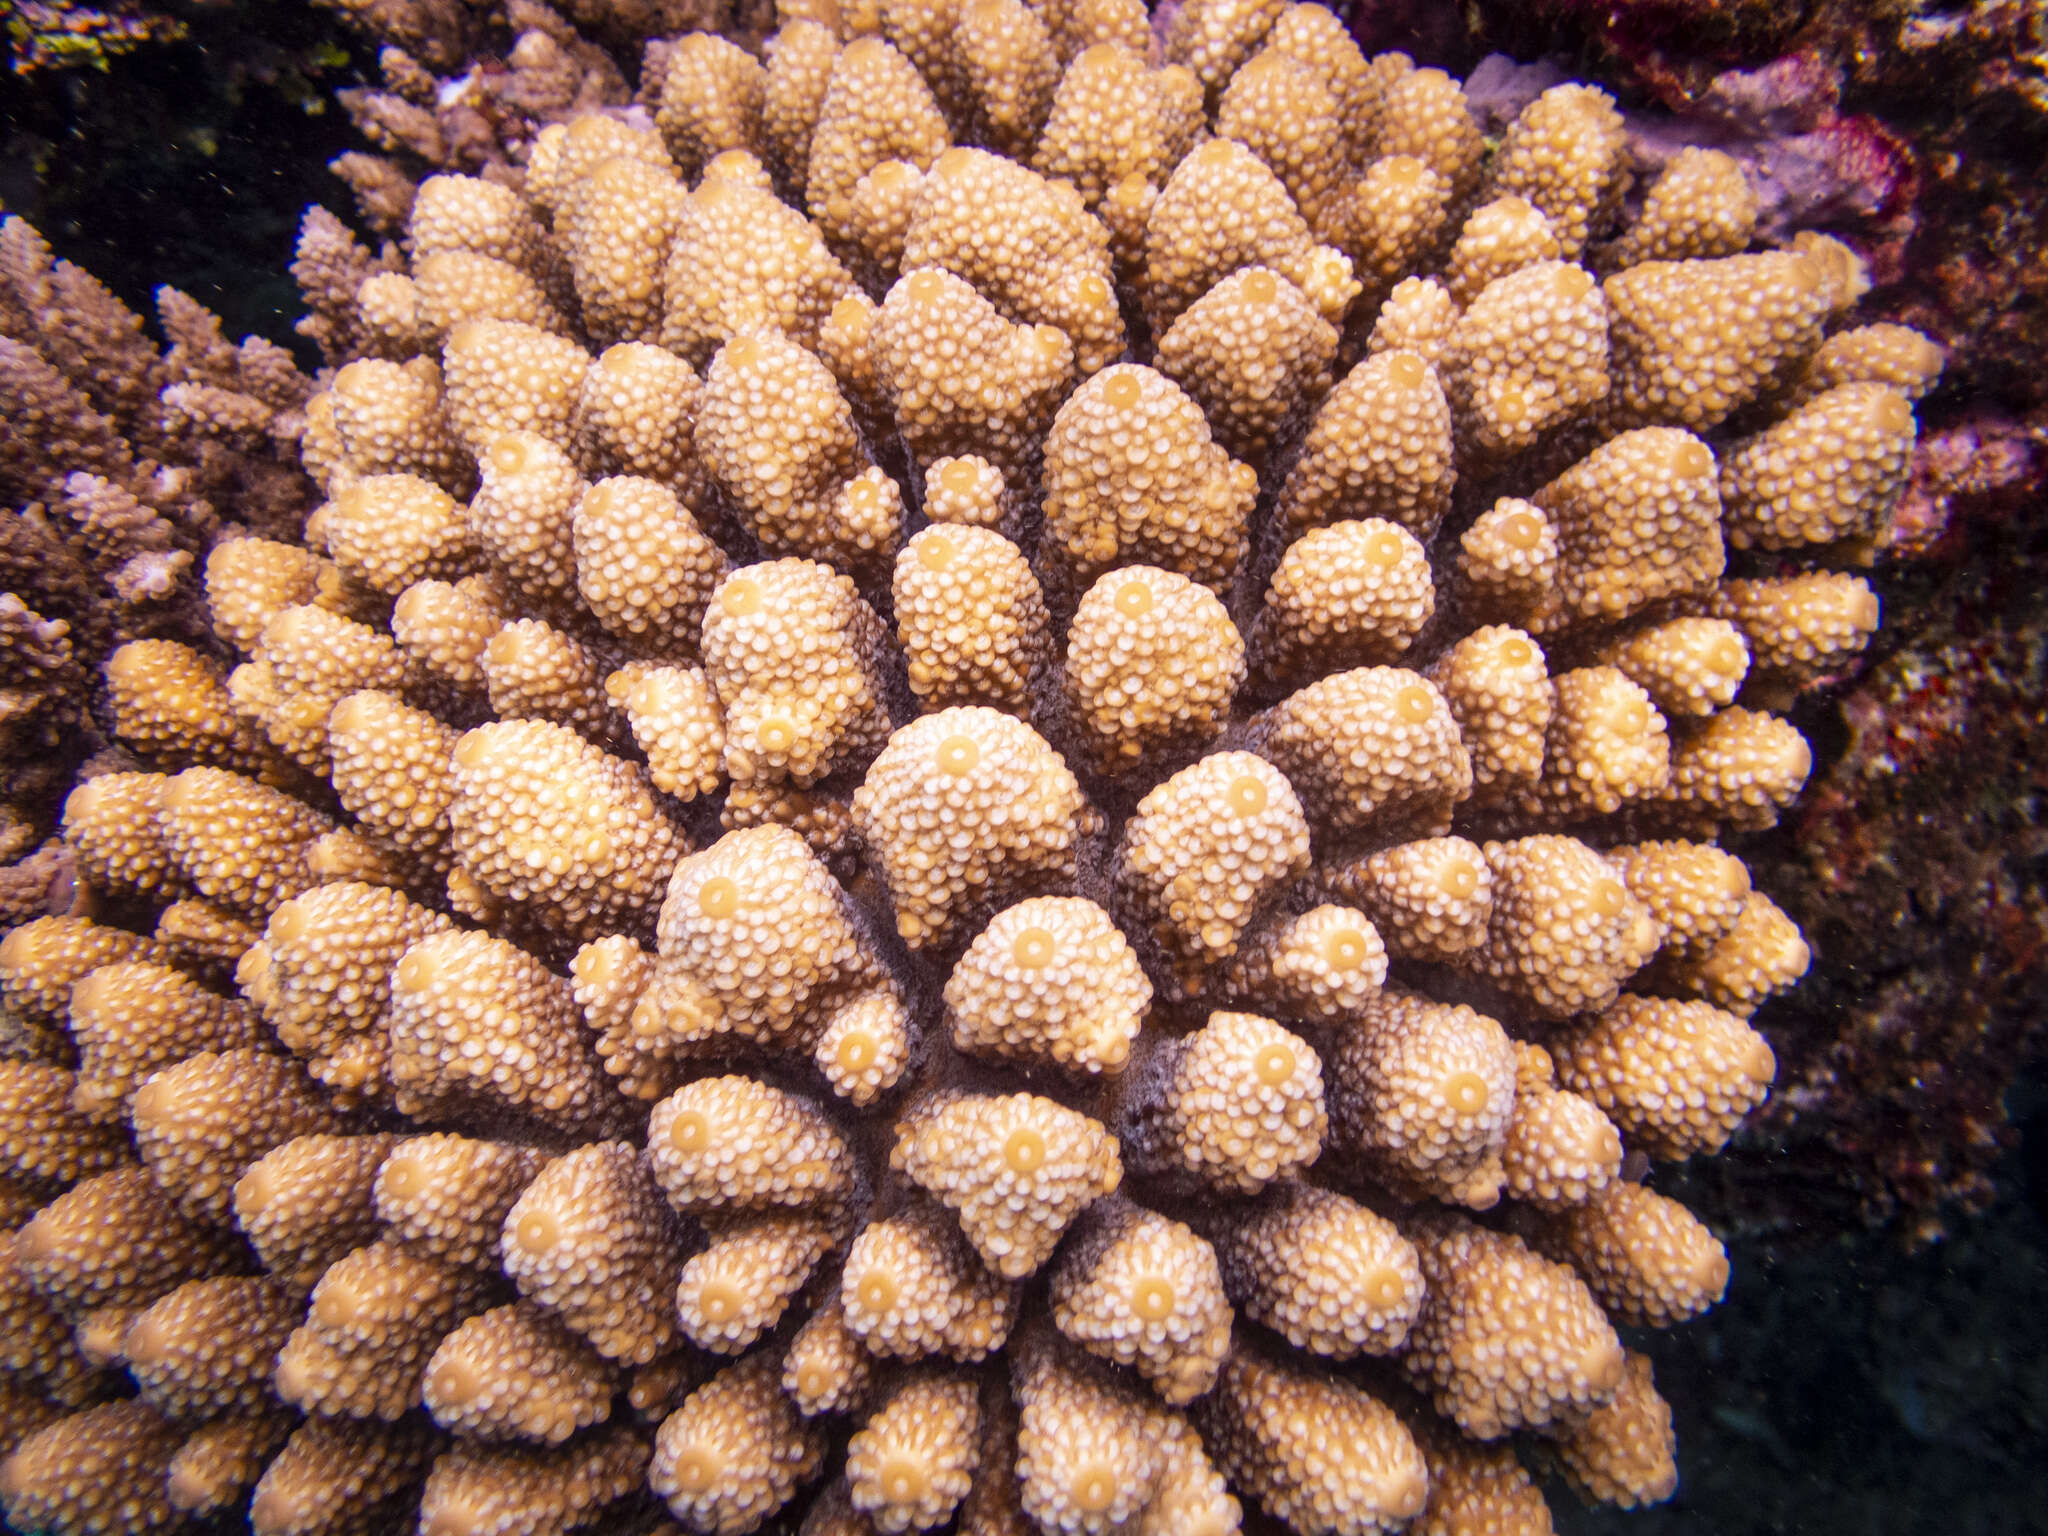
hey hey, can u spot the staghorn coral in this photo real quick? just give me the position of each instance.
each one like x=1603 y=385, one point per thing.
x=539 y=513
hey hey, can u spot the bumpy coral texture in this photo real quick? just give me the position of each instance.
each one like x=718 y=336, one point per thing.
x=897 y=821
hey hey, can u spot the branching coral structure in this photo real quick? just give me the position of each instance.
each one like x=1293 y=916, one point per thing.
x=989 y=751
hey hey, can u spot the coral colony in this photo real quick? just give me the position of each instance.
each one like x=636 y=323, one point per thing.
x=986 y=794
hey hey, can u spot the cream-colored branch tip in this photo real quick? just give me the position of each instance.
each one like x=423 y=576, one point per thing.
x=912 y=1462
x=1254 y=355
x=391 y=771
x=307 y=1203
x=1676 y=1077
x=1428 y=900
x=1026 y=244
x=1235 y=1105
x=220 y=1461
x=615 y=222
x=523 y=514
x=1012 y=811
x=757 y=941
x=1649 y=1260
x=913 y=1287
x=735 y=1451
x=1015 y=1169
x=1737 y=771
x=1088 y=1447
x=637 y=415
x=44 y=1138
x=1478 y=1490
x=738 y=1288
x=1051 y=981
x=1623 y=1453
x=962 y=379
x=1391 y=220
x=712 y=93
x=533 y=671
x=171 y=705
x=1700 y=205
x=1607 y=746
x=1498 y=237
x=110 y=826
x=94 y=1473
x=468 y=213
x=113 y=1241
x=1323 y=965
x=130 y=1018
x=1222 y=210
x=1005 y=51
x=333 y=1471
x=1113 y=119
x=1896 y=355
x=477 y=1490
x=1214 y=38
x=199 y=934
x=720 y=287
x=1565 y=932
x=1688 y=666
x=1423 y=114
x=1204 y=854
x=1691 y=342
x=1379 y=447
x=1764 y=953
x=1507 y=564
x=389 y=531
x=1373 y=749
x=675 y=719
x=200 y=1124
x=1506 y=1339
x=794 y=654
x=516 y=1372
x=447 y=1196
x=877 y=107
x=1351 y=594
x=864 y=1048
x=44 y=1357
x=1833 y=469
x=448 y=289
x=1282 y=110
x=825 y=1369
x=1312 y=35
x=375 y=1318
x=1153 y=664
x=1332 y=1276
x=592 y=1240
x=443 y=627
x=208 y=1348
x=1799 y=628
x=480 y=1026
x=500 y=377
x=883 y=201
x=389 y=417
x=1313 y=1450
x=1567 y=153
x=40 y=960
x=970 y=618
x=1695 y=891
x=1421 y=1094
x=322 y=979
x=1141 y=1290
x=779 y=438
x=724 y=1144
x=544 y=819
x=1528 y=354
x=307 y=660
x=249 y=582
x=1561 y=1149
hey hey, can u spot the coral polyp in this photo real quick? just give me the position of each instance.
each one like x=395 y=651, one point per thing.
x=1000 y=734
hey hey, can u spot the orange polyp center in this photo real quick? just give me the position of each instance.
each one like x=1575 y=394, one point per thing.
x=689 y=1132
x=403 y=1177
x=903 y=1481
x=1892 y=413
x=856 y=1052
x=1412 y=704
x=1383 y=549
x=1572 y=283
x=1093 y=1489
x=746 y=352
x=812 y=1380
x=538 y=1231
x=1344 y=949
x=1458 y=879
x=935 y=551
x=1517 y=653
x=719 y=1301
x=1405 y=370
x=775 y=734
x=847 y=313
x=960 y=477
x=509 y=455
x=955 y=162
x=1246 y=795
x=1261 y=287
x=740 y=597
x=1134 y=599
x=1385 y=1288
x=877 y=1291
x=958 y=755
x=718 y=898
x=1122 y=391
x=338 y=1305
x=1692 y=459
x=1523 y=530
x=1024 y=1152
x=1093 y=292
x=146 y=1343
x=1608 y=897
x=1465 y=1092
x=1401 y=172
x=454 y=1380
x=1033 y=949
x=472 y=750
x=1152 y=1299
x=923 y=287
x=1863 y=612
x=1274 y=1064
x=697 y=1469
x=1729 y=656
x=415 y=973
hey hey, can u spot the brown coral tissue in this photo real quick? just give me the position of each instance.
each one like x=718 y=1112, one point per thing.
x=982 y=752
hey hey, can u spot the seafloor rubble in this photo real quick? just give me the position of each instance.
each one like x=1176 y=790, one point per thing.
x=817 y=897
